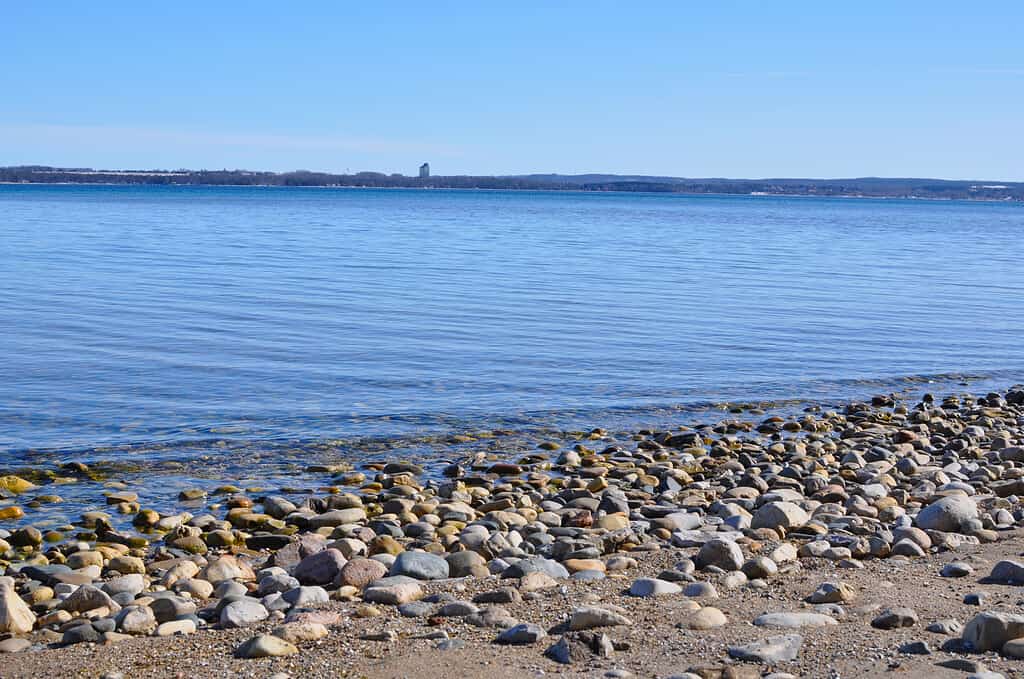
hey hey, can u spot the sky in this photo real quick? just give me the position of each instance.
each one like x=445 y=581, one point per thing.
x=721 y=89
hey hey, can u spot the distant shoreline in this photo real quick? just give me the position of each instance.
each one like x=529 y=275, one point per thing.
x=864 y=187
x=709 y=194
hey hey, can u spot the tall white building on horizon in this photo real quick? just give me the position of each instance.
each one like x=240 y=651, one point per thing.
x=424 y=170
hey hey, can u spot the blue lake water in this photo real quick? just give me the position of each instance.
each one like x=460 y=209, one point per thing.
x=183 y=319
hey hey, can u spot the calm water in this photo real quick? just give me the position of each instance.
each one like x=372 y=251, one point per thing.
x=188 y=319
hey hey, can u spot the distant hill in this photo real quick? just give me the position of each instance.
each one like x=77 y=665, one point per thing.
x=869 y=187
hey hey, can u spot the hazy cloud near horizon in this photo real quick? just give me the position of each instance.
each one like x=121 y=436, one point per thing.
x=738 y=89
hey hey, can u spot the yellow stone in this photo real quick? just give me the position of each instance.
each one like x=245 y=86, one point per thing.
x=13 y=512
x=616 y=521
x=15 y=484
x=576 y=565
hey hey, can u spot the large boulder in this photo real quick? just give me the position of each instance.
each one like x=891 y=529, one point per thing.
x=15 y=615
x=988 y=631
x=949 y=514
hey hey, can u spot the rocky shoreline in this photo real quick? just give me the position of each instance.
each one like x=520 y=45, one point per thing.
x=748 y=547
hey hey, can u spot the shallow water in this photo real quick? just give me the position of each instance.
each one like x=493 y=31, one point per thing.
x=152 y=323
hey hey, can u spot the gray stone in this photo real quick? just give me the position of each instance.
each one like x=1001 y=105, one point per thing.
x=772 y=650
x=947 y=626
x=721 y=553
x=779 y=515
x=420 y=565
x=949 y=514
x=136 y=620
x=306 y=596
x=320 y=568
x=534 y=564
x=959 y=569
x=651 y=587
x=243 y=613
x=525 y=633
x=794 y=620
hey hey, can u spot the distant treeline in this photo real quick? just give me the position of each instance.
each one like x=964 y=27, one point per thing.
x=866 y=187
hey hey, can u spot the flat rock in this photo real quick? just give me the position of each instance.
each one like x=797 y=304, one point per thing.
x=587 y=617
x=794 y=620
x=769 y=651
x=525 y=633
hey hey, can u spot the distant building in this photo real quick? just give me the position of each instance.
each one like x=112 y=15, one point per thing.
x=424 y=170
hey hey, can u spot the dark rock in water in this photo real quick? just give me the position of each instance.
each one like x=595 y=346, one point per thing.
x=580 y=647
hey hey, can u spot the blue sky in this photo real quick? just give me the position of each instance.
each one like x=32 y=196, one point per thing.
x=739 y=89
